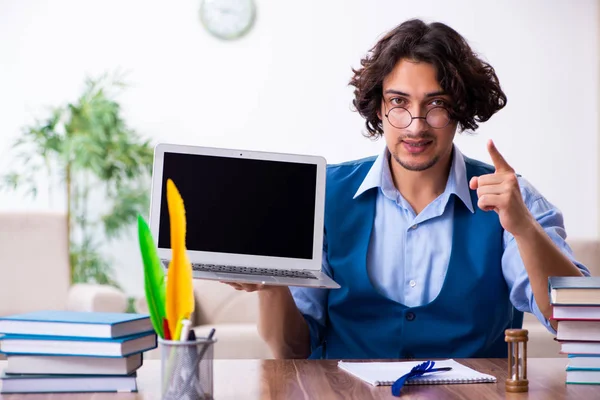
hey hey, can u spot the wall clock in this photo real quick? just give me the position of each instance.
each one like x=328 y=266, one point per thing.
x=228 y=19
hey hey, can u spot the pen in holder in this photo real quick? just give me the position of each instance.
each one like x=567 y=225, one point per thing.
x=187 y=369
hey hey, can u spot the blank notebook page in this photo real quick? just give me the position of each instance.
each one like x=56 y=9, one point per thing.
x=386 y=373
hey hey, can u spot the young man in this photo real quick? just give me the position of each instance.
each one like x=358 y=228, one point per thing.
x=437 y=254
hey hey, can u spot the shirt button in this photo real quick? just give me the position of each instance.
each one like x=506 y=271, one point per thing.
x=412 y=283
x=410 y=316
x=414 y=226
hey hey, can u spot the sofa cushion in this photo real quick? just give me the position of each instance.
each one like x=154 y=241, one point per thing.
x=587 y=252
x=34 y=261
x=236 y=341
x=218 y=303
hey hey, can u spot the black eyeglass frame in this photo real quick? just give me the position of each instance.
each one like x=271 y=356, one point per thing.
x=424 y=118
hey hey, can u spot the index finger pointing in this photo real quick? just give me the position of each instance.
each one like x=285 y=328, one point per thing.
x=499 y=162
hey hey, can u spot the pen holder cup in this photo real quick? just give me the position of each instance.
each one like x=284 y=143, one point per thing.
x=187 y=369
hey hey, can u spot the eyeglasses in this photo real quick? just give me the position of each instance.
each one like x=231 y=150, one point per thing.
x=436 y=117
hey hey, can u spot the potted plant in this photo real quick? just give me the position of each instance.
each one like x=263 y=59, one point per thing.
x=86 y=150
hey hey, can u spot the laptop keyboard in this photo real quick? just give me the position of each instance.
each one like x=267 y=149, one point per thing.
x=253 y=271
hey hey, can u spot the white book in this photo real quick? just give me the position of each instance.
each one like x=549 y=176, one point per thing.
x=66 y=384
x=386 y=373
x=584 y=361
x=575 y=312
x=61 y=345
x=580 y=347
x=583 y=376
x=72 y=365
x=74 y=323
x=578 y=330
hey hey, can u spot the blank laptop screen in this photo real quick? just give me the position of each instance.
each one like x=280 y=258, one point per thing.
x=242 y=206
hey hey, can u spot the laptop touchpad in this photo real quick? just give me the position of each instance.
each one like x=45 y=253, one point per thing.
x=245 y=278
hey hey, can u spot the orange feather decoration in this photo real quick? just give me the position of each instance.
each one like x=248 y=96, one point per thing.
x=180 y=289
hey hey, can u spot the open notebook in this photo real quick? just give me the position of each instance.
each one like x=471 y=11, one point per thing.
x=386 y=373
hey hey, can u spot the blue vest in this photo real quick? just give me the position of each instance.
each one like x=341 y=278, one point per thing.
x=466 y=319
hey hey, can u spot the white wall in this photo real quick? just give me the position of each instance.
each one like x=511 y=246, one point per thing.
x=284 y=86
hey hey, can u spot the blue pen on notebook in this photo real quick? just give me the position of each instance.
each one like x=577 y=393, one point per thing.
x=419 y=370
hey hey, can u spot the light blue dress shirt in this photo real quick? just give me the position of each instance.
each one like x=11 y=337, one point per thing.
x=408 y=254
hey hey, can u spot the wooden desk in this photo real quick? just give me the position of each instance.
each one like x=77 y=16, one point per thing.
x=308 y=380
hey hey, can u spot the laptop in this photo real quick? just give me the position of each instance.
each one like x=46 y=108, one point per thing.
x=252 y=217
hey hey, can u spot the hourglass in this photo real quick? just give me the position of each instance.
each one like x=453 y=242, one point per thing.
x=517 y=360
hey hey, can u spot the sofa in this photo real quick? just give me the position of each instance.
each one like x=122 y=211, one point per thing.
x=234 y=315
x=35 y=272
x=34 y=267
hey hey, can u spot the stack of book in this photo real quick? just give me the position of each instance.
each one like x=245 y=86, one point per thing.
x=65 y=351
x=576 y=306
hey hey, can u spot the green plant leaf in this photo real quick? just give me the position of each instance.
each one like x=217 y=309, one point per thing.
x=85 y=150
x=128 y=203
x=88 y=265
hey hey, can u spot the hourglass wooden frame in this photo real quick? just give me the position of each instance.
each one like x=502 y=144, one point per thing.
x=517 y=360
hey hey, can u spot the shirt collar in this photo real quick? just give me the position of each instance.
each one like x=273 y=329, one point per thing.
x=379 y=176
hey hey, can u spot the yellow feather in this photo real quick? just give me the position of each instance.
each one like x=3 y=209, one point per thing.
x=180 y=289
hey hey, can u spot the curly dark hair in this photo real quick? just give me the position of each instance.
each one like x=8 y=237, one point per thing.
x=471 y=83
